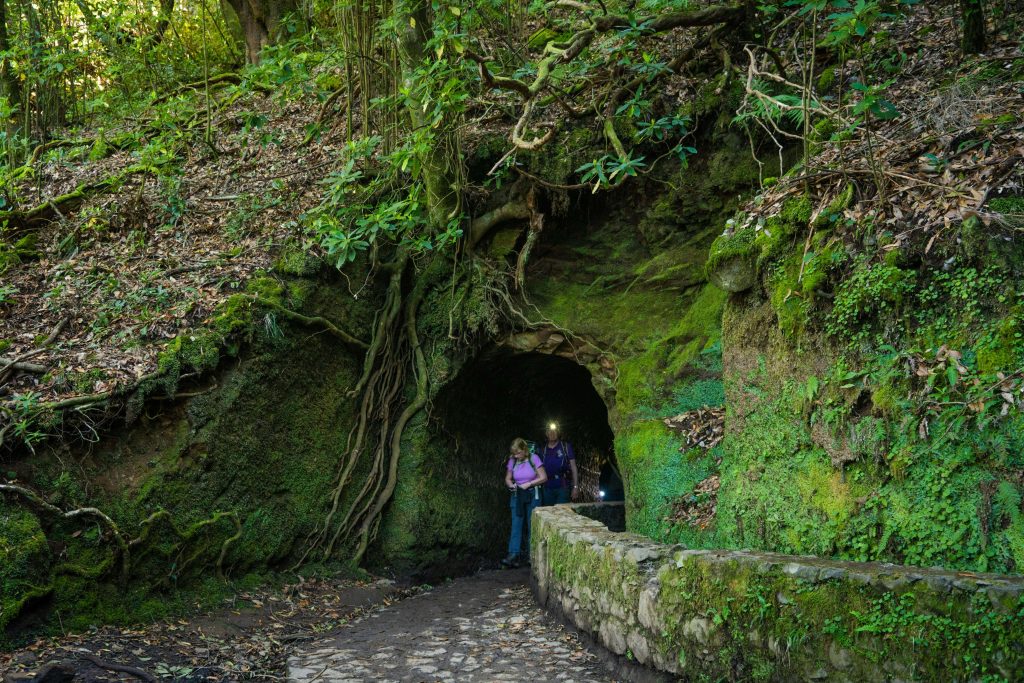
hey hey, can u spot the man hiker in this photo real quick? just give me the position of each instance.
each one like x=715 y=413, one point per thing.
x=560 y=464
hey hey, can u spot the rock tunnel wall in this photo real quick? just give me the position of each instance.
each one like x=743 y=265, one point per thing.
x=742 y=615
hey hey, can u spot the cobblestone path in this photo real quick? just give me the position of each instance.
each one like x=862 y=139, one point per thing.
x=482 y=628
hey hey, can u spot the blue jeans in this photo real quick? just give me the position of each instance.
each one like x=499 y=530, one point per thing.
x=554 y=496
x=522 y=504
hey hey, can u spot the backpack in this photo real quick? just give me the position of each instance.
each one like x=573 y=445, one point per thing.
x=529 y=461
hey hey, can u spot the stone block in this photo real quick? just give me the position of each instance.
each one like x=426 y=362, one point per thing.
x=699 y=630
x=612 y=634
x=637 y=644
x=647 y=609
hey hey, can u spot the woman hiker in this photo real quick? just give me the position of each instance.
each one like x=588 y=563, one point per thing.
x=524 y=474
x=560 y=461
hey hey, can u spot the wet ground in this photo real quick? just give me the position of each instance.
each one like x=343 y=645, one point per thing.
x=486 y=627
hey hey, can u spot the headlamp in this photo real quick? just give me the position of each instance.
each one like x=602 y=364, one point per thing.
x=553 y=425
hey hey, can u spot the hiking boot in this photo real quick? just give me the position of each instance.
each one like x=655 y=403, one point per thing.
x=510 y=562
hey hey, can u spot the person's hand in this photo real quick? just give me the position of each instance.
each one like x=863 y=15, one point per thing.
x=575 y=495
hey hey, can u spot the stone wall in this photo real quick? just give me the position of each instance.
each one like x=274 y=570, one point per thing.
x=741 y=615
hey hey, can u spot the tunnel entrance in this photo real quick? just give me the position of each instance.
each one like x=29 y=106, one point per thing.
x=503 y=394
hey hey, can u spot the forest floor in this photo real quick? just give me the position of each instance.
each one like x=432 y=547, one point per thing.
x=484 y=627
x=248 y=638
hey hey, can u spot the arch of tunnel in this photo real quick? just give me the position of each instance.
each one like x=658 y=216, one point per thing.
x=504 y=393
x=450 y=513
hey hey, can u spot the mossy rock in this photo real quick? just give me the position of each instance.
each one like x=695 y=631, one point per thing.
x=732 y=263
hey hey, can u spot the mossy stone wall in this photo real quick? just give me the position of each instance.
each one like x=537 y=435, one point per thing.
x=743 y=615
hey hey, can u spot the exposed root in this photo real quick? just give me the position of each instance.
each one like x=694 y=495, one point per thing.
x=119 y=668
x=311 y=321
x=379 y=387
x=123 y=547
x=36 y=500
x=22 y=220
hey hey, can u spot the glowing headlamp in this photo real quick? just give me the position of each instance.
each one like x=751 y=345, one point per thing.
x=553 y=425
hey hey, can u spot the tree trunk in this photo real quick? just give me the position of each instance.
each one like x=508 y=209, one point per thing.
x=8 y=81
x=972 y=14
x=444 y=194
x=10 y=90
x=163 y=22
x=262 y=23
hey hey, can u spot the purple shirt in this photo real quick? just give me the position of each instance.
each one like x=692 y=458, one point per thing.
x=521 y=471
x=556 y=464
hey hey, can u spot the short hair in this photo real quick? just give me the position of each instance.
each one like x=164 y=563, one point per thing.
x=519 y=444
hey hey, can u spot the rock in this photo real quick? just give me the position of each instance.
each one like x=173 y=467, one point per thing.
x=735 y=273
x=646 y=611
x=832 y=573
x=642 y=554
x=839 y=656
x=698 y=629
x=613 y=636
x=801 y=571
x=639 y=647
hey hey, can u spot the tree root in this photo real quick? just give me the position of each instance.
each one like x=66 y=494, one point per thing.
x=124 y=547
x=229 y=78
x=378 y=432
x=119 y=668
x=23 y=220
x=311 y=321
x=147 y=524
x=54 y=511
x=18 y=362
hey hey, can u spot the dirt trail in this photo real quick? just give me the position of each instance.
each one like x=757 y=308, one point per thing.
x=485 y=627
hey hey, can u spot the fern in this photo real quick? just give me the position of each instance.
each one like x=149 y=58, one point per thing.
x=1007 y=501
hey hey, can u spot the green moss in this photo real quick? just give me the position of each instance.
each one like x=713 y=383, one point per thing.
x=885 y=400
x=736 y=245
x=1002 y=349
x=797 y=210
x=23 y=250
x=296 y=261
x=654 y=471
x=99 y=149
x=24 y=562
x=1011 y=206
x=826 y=79
x=441 y=515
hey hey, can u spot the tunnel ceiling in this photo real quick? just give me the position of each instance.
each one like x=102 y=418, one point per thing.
x=502 y=394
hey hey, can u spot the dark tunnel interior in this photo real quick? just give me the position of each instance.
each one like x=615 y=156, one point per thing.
x=502 y=394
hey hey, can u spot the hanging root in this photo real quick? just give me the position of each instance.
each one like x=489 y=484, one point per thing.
x=367 y=529
x=380 y=387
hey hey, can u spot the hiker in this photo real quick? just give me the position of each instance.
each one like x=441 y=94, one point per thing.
x=524 y=475
x=560 y=460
